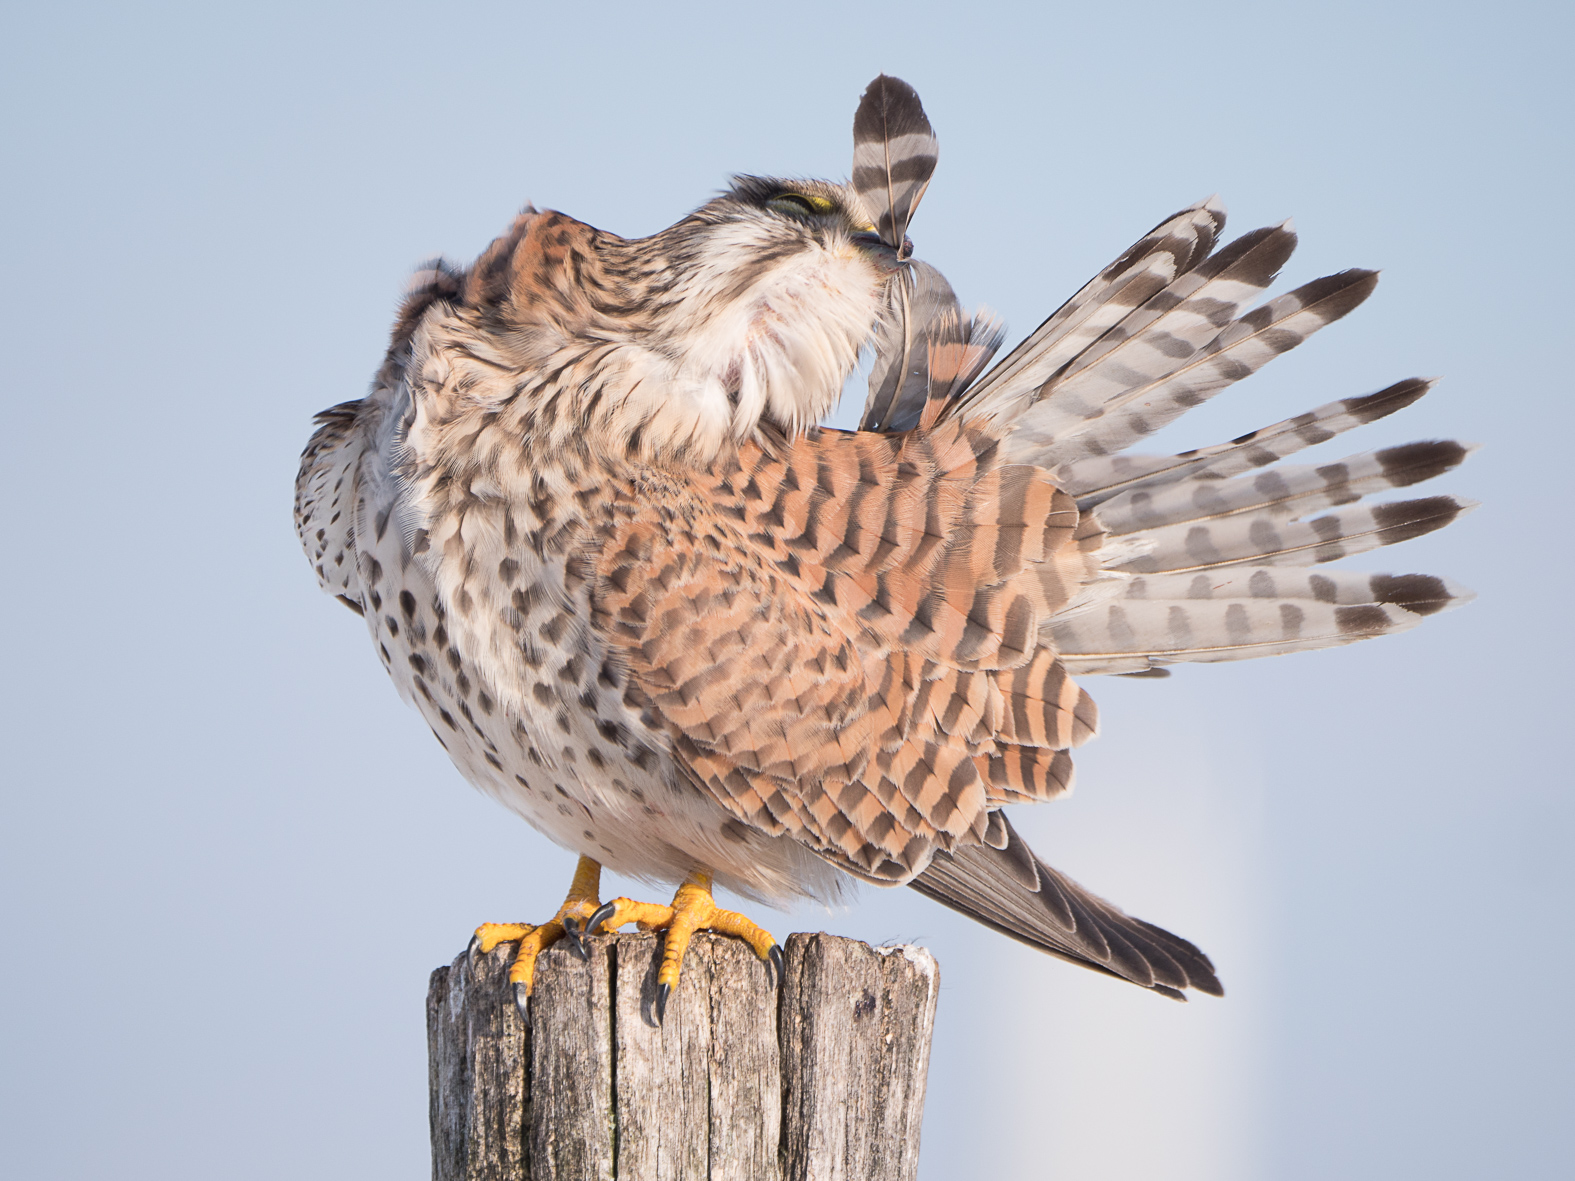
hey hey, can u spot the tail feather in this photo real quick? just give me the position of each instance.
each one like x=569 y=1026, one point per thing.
x=1422 y=594
x=1131 y=637
x=1158 y=338
x=1174 y=247
x=1240 y=349
x=1280 y=491
x=1004 y=886
x=1095 y=479
x=1244 y=613
x=1267 y=539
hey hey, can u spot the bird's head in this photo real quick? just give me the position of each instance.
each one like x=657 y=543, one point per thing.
x=764 y=298
x=747 y=315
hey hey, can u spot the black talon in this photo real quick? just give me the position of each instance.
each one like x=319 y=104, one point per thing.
x=663 y=991
x=522 y=1002
x=775 y=962
x=603 y=913
x=576 y=937
x=472 y=953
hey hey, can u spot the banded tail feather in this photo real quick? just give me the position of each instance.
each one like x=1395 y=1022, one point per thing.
x=1239 y=349
x=1002 y=884
x=1171 y=248
x=1099 y=478
x=1263 y=539
x=1157 y=339
x=1280 y=491
x=894 y=156
x=1245 y=613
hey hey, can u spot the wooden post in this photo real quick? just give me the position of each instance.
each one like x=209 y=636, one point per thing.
x=820 y=1080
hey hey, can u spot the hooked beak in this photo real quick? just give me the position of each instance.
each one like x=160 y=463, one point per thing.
x=888 y=257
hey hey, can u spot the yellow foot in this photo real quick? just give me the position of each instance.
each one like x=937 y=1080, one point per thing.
x=693 y=909
x=570 y=921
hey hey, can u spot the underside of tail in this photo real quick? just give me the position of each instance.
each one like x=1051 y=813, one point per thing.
x=1208 y=555
x=1003 y=885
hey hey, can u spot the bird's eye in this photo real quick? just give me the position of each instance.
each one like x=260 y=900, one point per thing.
x=798 y=206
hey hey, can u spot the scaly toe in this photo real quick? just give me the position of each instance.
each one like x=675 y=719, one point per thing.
x=619 y=912
x=491 y=935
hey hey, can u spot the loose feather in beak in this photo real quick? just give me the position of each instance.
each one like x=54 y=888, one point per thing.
x=894 y=154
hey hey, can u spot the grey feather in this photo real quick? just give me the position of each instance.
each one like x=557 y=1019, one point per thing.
x=1239 y=350
x=1099 y=478
x=1172 y=248
x=1159 y=338
x=1280 y=491
x=894 y=156
x=927 y=350
x=1264 y=539
x=1010 y=889
x=1245 y=613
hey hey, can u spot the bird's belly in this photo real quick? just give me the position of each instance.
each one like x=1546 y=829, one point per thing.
x=592 y=780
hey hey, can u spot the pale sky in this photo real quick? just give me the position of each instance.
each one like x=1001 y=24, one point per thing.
x=230 y=856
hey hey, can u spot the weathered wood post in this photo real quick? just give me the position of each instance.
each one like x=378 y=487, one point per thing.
x=820 y=1080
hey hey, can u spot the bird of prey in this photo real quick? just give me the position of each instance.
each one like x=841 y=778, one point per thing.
x=643 y=600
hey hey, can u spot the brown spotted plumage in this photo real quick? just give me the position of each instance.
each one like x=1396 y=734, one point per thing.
x=644 y=601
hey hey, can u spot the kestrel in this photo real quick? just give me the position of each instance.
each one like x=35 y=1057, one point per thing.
x=644 y=601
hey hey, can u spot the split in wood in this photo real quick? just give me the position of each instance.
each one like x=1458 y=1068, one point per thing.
x=823 y=1076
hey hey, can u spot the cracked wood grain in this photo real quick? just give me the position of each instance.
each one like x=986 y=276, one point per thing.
x=821 y=1078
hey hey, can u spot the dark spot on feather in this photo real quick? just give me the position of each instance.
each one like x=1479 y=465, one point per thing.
x=1291 y=618
x=1386 y=401
x=1412 y=518
x=1414 y=462
x=1421 y=594
x=1363 y=620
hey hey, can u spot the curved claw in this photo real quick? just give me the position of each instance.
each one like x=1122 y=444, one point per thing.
x=663 y=991
x=522 y=1001
x=575 y=935
x=473 y=952
x=603 y=913
x=775 y=968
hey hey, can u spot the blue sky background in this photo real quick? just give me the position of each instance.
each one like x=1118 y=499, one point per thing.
x=229 y=856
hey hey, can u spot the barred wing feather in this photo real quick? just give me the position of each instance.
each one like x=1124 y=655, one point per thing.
x=1171 y=248
x=1096 y=479
x=926 y=351
x=1245 y=613
x=1200 y=556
